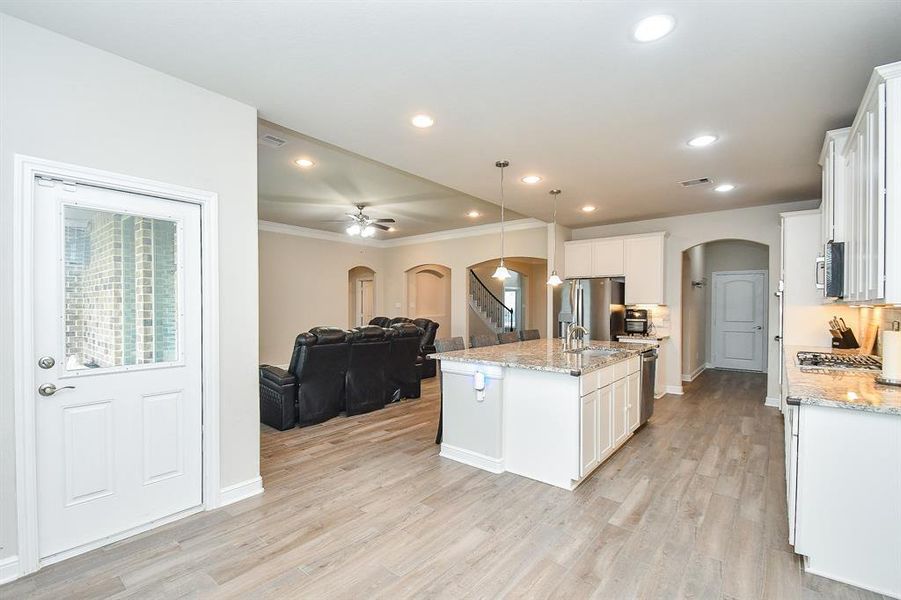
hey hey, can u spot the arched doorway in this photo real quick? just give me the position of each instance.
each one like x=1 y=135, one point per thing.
x=725 y=297
x=361 y=296
x=429 y=295
x=523 y=296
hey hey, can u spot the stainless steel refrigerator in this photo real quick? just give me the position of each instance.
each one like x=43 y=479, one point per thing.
x=597 y=304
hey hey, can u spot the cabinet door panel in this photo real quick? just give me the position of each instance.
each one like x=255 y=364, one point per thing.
x=607 y=257
x=577 y=259
x=588 y=453
x=605 y=421
x=644 y=263
x=620 y=416
x=634 y=398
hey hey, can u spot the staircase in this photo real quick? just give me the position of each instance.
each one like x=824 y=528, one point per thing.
x=491 y=310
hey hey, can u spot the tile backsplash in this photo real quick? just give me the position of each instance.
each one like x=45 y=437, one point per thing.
x=884 y=315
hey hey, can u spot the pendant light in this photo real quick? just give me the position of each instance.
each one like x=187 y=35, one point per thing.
x=501 y=272
x=554 y=280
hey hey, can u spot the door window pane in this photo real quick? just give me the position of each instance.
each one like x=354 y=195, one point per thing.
x=121 y=289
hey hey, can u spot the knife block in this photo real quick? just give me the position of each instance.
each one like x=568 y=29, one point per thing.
x=847 y=340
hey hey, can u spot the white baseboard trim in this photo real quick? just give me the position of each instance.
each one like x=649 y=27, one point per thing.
x=864 y=586
x=674 y=389
x=694 y=374
x=9 y=569
x=240 y=491
x=473 y=459
x=772 y=401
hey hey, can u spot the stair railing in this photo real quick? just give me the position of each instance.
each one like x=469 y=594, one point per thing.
x=496 y=311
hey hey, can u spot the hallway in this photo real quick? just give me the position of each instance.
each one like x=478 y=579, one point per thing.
x=692 y=506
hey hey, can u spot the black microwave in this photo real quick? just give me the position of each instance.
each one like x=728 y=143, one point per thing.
x=832 y=266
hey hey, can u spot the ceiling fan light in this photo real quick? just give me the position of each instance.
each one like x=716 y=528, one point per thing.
x=353 y=229
x=501 y=273
x=368 y=231
x=554 y=280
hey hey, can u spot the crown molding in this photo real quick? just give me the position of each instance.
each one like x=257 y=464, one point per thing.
x=317 y=234
x=437 y=236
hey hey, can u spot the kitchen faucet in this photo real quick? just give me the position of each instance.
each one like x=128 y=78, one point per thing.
x=568 y=342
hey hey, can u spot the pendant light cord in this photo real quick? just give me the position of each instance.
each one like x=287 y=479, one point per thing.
x=502 y=215
x=555 y=193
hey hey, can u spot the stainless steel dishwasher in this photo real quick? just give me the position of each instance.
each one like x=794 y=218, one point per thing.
x=648 y=376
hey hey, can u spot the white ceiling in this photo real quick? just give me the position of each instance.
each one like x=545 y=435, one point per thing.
x=340 y=179
x=559 y=89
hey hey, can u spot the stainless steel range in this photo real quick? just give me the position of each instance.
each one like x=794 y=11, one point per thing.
x=827 y=360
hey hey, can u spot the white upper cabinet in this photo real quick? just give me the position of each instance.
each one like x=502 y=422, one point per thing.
x=640 y=258
x=577 y=259
x=862 y=192
x=833 y=184
x=645 y=260
x=607 y=258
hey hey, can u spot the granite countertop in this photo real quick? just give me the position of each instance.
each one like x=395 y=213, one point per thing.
x=855 y=390
x=545 y=355
x=653 y=338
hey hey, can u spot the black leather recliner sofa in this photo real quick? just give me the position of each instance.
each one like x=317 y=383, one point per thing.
x=367 y=369
x=312 y=389
x=334 y=370
x=427 y=367
x=403 y=367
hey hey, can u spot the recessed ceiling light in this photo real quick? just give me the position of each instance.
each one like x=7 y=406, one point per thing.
x=422 y=121
x=701 y=141
x=392 y=229
x=304 y=163
x=531 y=179
x=589 y=208
x=725 y=187
x=653 y=28
x=473 y=214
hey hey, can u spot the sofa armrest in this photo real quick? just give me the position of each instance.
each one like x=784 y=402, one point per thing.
x=278 y=397
x=276 y=375
x=428 y=349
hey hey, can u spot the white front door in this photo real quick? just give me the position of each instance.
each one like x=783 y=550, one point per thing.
x=117 y=331
x=739 y=320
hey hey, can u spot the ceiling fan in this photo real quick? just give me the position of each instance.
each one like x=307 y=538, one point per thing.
x=363 y=225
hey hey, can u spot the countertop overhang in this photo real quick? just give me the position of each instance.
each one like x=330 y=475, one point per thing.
x=849 y=389
x=545 y=355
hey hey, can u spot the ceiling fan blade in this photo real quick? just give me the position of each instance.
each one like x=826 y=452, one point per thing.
x=383 y=221
x=377 y=226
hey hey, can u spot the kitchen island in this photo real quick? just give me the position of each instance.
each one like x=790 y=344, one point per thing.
x=537 y=410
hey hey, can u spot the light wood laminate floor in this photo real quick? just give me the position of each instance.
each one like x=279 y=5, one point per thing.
x=693 y=506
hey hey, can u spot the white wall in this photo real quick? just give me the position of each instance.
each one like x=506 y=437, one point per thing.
x=297 y=293
x=757 y=224
x=64 y=101
x=303 y=284
x=694 y=312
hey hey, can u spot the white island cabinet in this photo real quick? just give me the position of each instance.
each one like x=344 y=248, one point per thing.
x=540 y=413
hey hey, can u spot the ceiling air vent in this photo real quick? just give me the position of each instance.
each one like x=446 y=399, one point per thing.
x=271 y=140
x=693 y=182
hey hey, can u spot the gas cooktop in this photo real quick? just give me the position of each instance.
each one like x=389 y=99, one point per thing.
x=827 y=360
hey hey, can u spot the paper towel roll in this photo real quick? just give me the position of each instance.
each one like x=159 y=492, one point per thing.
x=891 y=354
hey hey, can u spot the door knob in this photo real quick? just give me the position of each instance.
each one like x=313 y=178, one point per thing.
x=778 y=338
x=48 y=389
x=758 y=327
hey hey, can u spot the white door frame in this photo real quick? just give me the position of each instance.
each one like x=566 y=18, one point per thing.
x=766 y=309
x=26 y=169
